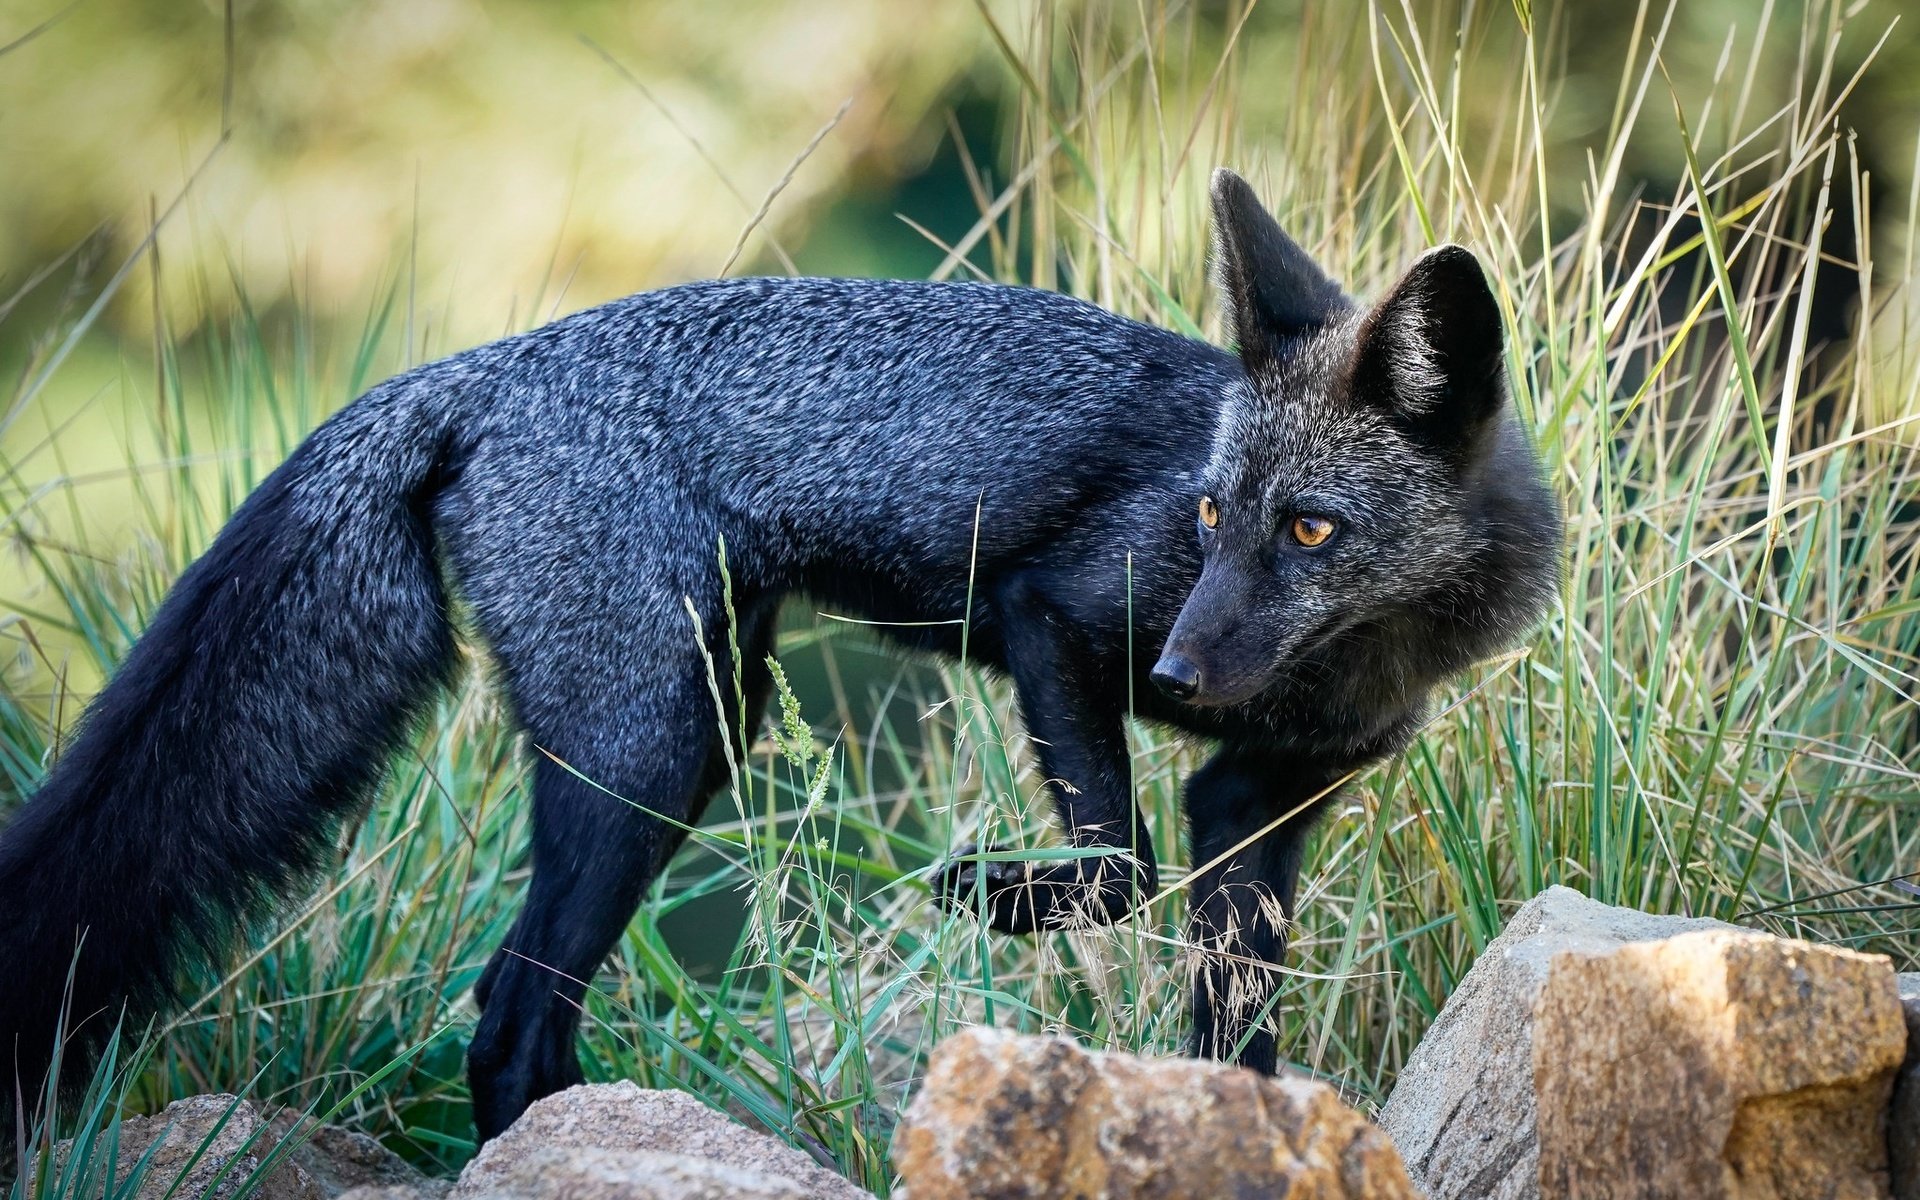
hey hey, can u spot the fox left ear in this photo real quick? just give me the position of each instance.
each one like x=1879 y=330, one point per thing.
x=1431 y=350
x=1274 y=290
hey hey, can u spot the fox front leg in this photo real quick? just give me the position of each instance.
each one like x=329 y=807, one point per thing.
x=1078 y=732
x=1243 y=895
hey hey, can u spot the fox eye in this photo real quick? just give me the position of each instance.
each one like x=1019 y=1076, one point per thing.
x=1311 y=531
x=1209 y=513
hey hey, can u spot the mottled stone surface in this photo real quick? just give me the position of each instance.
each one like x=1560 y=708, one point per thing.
x=572 y=1145
x=1462 y=1112
x=1603 y=1052
x=1769 y=1064
x=1002 y=1117
x=579 y=1173
x=598 y=1142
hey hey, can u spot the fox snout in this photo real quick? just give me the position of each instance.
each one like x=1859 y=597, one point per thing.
x=1225 y=646
x=1205 y=683
x=1207 y=676
x=1177 y=675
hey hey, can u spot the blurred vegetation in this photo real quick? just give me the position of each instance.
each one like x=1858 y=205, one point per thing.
x=518 y=157
x=496 y=148
x=488 y=164
x=1698 y=222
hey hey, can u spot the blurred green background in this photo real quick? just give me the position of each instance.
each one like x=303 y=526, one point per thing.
x=505 y=148
x=500 y=161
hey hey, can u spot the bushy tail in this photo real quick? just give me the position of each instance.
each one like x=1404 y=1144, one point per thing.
x=257 y=711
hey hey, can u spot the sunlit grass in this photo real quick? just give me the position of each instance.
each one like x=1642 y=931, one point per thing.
x=1720 y=717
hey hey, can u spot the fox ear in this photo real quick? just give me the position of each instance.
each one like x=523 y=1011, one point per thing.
x=1431 y=351
x=1274 y=290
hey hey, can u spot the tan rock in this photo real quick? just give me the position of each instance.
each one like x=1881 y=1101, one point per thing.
x=576 y=1144
x=1002 y=1117
x=1716 y=1064
x=1595 y=1051
x=1462 y=1112
x=237 y=1141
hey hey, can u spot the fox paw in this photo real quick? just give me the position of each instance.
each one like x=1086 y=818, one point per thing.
x=966 y=883
x=1022 y=897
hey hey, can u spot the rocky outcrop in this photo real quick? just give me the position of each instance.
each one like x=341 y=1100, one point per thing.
x=587 y=1173
x=1002 y=1117
x=238 y=1140
x=1462 y=1112
x=1773 y=1061
x=596 y=1142
x=1590 y=1052
x=1596 y=1051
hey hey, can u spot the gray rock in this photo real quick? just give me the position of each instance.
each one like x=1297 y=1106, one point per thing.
x=586 y=1174
x=611 y=1141
x=343 y=1161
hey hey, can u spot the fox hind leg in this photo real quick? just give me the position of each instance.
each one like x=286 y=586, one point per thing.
x=589 y=872
x=632 y=756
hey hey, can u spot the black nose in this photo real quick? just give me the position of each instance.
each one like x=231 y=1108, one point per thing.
x=1177 y=676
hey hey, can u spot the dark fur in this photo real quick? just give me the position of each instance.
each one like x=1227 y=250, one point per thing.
x=882 y=448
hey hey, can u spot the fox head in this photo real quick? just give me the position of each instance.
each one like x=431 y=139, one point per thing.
x=1367 y=480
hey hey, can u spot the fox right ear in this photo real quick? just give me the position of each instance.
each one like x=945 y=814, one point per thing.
x=1432 y=351
x=1274 y=290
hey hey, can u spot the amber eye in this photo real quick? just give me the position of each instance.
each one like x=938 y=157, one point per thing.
x=1209 y=513
x=1311 y=531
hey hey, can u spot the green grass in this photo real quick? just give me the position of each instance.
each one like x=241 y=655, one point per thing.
x=1719 y=718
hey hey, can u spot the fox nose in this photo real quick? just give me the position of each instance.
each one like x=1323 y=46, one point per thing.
x=1177 y=676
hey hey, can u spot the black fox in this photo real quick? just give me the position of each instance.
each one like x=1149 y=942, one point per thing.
x=1306 y=536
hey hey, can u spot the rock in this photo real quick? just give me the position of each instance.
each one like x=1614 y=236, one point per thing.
x=343 y=1161
x=1596 y=1051
x=1903 y=1115
x=1462 y=1112
x=1773 y=1061
x=613 y=1141
x=330 y=1162
x=580 y=1173
x=1002 y=1117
